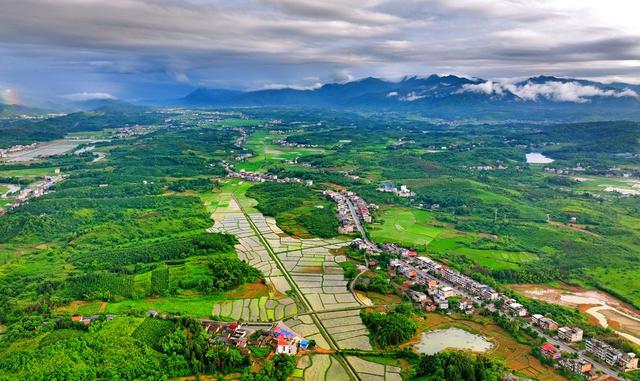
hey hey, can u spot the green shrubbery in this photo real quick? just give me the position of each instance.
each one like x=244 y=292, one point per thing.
x=387 y=329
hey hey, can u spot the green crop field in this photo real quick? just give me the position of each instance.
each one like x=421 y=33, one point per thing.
x=6 y=171
x=410 y=227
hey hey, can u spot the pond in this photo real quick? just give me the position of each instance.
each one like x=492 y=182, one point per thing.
x=538 y=158
x=451 y=338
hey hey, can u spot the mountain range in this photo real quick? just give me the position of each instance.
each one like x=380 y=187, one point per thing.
x=446 y=97
x=542 y=98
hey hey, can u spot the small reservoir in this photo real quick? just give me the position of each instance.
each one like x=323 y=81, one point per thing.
x=538 y=158
x=452 y=338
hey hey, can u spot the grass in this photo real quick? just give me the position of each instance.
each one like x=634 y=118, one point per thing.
x=26 y=172
x=409 y=227
x=623 y=282
x=260 y=352
x=267 y=153
x=199 y=306
x=450 y=244
x=496 y=259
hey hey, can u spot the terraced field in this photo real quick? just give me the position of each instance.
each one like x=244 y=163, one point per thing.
x=319 y=367
x=259 y=309
x=372 y=371
x=313 y=269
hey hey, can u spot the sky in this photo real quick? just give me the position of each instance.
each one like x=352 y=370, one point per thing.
x=144 y=49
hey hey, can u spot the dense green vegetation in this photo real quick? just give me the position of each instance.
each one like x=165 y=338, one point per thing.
x=389 y=328
x=108 y=116
x=298 y=209
x=227 y=274
x=456 y=366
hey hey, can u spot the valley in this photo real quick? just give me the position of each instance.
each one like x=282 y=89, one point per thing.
x=227 y=219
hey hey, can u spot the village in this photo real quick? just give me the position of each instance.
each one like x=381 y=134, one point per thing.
x=403 y=191
x=431 y=286
x=20 y=196
x=440 y=283
x=275 y=337
x=258 y=177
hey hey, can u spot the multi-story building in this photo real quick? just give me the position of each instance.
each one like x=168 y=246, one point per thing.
x=517 y=309
x=570 y=334
x=544 y=322
x=611 y=355
x=446 y=292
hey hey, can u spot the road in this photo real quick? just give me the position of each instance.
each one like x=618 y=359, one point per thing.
x=565 y=348
x=359 y=226
x=294 y=287
x=353 y=283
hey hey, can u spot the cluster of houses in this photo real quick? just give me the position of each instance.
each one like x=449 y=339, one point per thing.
x=257 y=177
x=400 y=142
x=279 y=337
x=437 y=293
x=34 y=190
x=370 y=248
x=565 y=171
x=242 y=138
x=611 y=355
x=612 y=172
x=243 y=157
x=498 y=167
x=347 y=219
x=87 y=320
x=568 y=334
x=129 y=132
x=600 y=350
x=443 y=282
x=286 y=143
x=576 y=365
x=4 y=152
x=597 y=348
x=403 y=191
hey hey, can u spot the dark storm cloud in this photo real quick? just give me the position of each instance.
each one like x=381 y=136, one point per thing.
x=126 y=46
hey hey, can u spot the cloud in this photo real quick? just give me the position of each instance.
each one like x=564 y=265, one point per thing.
x=552 y=90
x=341 y=76
x=124 y=44
x=85 y=96
x=411 y=96
x=392 y=94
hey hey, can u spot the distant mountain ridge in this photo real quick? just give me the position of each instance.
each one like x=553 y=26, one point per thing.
x=445 y=96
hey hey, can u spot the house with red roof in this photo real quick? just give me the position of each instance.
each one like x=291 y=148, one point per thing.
x=550 y=351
